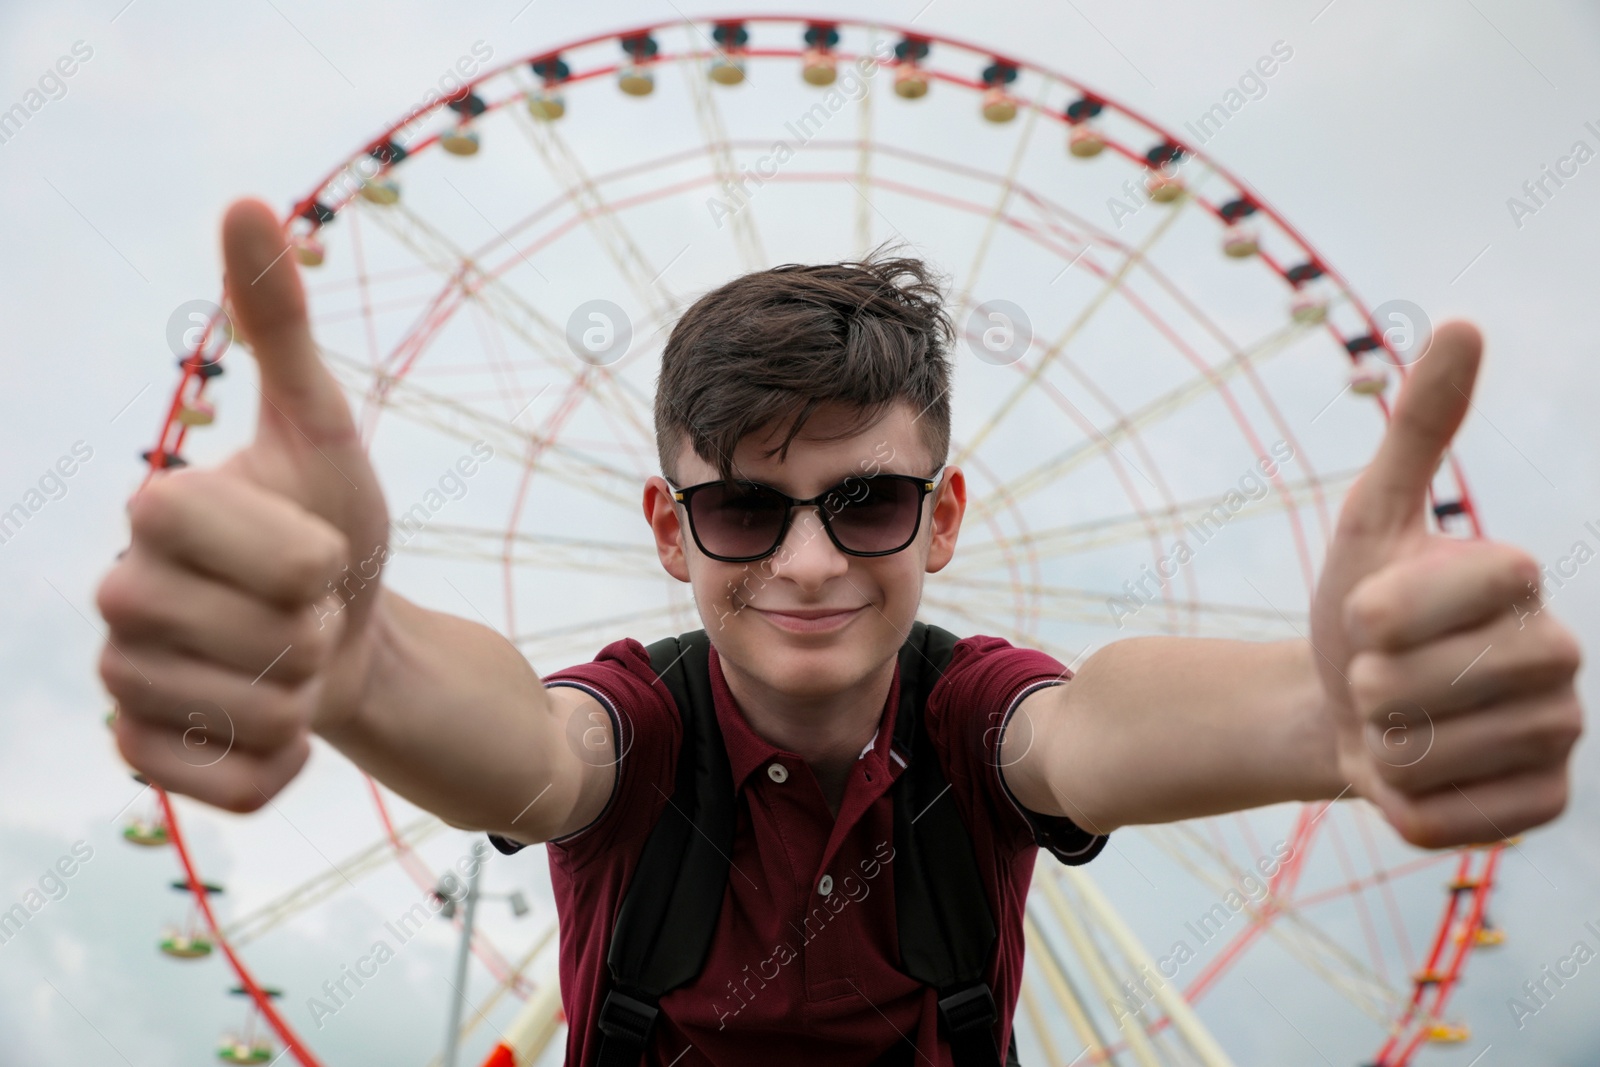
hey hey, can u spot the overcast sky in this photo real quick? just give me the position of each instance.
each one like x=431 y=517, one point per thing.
x=1396 y=141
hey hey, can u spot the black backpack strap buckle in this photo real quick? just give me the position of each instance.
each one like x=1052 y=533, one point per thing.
x=627 y=1019
x=968 y=1009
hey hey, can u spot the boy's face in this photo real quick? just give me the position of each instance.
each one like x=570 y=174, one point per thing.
x=739 y=602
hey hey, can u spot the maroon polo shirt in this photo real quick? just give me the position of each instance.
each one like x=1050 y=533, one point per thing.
x=802 y=967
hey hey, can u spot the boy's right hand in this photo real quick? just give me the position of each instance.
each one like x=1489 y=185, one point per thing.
x=240 y=615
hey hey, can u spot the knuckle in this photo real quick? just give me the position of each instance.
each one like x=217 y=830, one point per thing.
x=302 y=712
x=157 y=509
x=1368 y=684
x=1553 y=798
x=283 y=721
x=290 y=669
x=1519 y=565
x=116 y=672
x=238 y=793
x=1565 y=728
x=323 y=632
x=309 y=637
x=327 y=627
x=1543 y=802
x=1410 y=823
x=308 y=645
x=1368 y=610
x=1392 y=775
x=1429 y=828
x=1575 y=718
x=251 y=784
x=117 y=597
x=1406 y=777
x=311 y=561
x=1543 y=655
x=305 y=656
x=1426 y=834
x=150 y=509
x=1562 y=649
x=128 y=736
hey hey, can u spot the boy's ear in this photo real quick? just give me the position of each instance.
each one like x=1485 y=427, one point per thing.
x=671 y=536
x=950 y=504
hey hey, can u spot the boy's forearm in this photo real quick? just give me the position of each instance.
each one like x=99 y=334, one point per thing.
x=452 y=718
x=1158 y=729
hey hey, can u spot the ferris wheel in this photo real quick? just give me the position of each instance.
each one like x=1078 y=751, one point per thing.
x=1162 y=392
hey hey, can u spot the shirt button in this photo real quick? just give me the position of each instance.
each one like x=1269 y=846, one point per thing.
x=825 y=887
x=777 y=772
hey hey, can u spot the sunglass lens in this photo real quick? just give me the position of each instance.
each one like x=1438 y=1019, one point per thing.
x=738 y=520
x=875 y=514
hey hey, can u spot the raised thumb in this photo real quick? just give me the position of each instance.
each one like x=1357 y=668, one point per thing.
x=268 y=305
x=1435 y=398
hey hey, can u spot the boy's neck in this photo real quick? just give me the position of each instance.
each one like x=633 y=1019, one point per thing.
x=829 y=736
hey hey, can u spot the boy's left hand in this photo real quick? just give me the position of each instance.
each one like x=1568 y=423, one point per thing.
x=1451 y=689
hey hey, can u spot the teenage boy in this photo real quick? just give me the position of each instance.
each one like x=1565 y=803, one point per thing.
x=801 y=379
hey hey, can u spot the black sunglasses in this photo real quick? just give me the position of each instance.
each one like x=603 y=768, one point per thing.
x=742 y=521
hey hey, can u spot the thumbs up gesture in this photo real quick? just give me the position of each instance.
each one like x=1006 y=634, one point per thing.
x=1450 y=689
x=239 y=615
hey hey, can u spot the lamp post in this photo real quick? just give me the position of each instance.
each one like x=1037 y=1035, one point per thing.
x=448 y=891
x=452 y=1037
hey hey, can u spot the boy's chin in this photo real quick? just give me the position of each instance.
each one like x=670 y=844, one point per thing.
x=805 y=667
x=815 y=675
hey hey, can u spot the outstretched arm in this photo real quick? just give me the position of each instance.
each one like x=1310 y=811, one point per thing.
x=454 y=719
x=1155 y=729
x=1433 y=683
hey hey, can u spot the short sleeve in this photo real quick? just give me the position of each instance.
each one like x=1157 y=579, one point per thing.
x=645 y=733
x=1056 y=834
x=984 y=682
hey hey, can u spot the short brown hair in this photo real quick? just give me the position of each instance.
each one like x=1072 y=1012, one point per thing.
x=778 y=343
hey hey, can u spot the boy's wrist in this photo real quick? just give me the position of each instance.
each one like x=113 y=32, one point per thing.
x=1320 y=745
x=352 y=690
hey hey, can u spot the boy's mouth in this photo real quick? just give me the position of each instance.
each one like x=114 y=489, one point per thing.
x=809 y=620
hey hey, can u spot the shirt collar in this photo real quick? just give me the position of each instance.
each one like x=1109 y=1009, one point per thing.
x=748 y=751
x=868 y=746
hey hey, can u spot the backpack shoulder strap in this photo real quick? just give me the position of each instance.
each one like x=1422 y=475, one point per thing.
x=946 y=927
x=669 y=912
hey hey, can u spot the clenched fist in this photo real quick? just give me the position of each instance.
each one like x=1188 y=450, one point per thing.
x=1451 y=691
x=239 y=613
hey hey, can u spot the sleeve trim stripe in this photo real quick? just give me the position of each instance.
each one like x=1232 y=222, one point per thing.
x=1094 y=840
x=1005 y=721
x=616 y=741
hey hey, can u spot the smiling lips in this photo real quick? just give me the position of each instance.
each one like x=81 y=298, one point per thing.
x=810 y=620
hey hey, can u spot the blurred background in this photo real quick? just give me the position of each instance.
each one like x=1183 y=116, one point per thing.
x=1412 y=147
